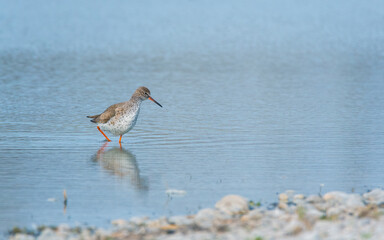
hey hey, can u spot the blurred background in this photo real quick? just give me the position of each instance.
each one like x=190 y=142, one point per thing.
x=259 y=97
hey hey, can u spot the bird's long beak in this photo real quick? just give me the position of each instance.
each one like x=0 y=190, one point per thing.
x=153 y=100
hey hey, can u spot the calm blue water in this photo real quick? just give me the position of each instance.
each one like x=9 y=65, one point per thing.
x=259 y=97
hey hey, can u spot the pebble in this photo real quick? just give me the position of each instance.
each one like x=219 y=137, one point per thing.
x=139 y=220
x=119 y=222
x=298 y=199
x=314 y=214
x=157 y=223
x=294 y=227
x=49 y=234
x=255 y=214
x=341 y=198
x=334 y=212
x=233 y=205
x=282 y=205
x=354 y=201
x=85 y=234
x=376 y=196
x=314 y=199
x=204 y=218
x=20 y=236
x=336 y=215
x=181 y=220
x=283 y=197
x=336 y=197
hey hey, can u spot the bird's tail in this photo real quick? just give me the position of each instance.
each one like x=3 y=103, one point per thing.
x=94 y=118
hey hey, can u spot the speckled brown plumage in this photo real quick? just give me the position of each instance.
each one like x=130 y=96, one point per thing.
x=120 y=118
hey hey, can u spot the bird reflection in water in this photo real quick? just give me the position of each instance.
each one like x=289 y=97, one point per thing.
x=121 y=163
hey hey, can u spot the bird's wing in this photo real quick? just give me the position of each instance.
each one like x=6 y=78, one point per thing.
x=108 y=113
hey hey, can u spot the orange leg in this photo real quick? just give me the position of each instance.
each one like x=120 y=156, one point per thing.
x=103 y=134
x=120 y=138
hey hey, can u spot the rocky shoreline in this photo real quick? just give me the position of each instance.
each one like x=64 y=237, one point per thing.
x=335 y=215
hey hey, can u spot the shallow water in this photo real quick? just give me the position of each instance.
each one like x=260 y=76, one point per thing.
x=258 y=98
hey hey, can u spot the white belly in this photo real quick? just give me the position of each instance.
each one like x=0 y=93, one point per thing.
x=122 y=124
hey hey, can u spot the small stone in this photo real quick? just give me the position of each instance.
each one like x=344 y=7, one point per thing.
x=354 y=201
x=370 y=210
x=334 y=212
x=85 y=234
x=282 y=205
x=204 y=218
x=63 y=228
x=49 y=234
x=313 y=214
x=275 y=213
x=245 y=218
x=124 y=234
x=299 y=196
x=119 y=222
x=157 y=223
x=376 y=196
x=351 y=201
x=314 y=199
x=294 y=227
x=283 y=197
x=101 y=233
x=139 y=220
x=299 y=199
x=255 y=214
x=170 y=228
x=233 y=205
x=21 y=236
x=335 y=196
x=181 y=220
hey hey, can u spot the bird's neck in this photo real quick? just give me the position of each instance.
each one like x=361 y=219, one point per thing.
x=136 y=100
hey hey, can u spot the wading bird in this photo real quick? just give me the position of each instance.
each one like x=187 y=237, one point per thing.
x=120 y=118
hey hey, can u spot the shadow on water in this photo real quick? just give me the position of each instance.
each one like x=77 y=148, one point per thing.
x=121 y=163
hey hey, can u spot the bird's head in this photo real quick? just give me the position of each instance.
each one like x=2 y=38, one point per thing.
x=143 y=93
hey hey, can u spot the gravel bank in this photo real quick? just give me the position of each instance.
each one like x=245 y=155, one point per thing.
x=335 y=215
